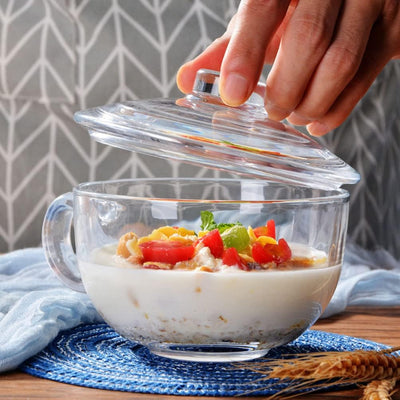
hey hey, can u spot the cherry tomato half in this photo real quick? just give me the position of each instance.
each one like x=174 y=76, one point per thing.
x=267 y=230
x=166 y=251
x=231 y=257
x=284 y=253
x=278 y=253
x=213 y=241
x=262 y=254
x=271 y=228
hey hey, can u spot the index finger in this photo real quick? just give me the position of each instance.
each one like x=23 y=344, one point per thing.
x=210 y=58
x=255 y=25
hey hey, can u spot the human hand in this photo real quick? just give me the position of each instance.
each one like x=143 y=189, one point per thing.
x=325 y=54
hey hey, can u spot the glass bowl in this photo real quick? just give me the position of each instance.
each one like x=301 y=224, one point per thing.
x=196 y=312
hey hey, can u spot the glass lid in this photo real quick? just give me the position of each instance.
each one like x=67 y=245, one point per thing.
x=201 y=130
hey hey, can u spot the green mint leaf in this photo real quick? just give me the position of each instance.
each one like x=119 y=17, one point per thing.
x=207 y=221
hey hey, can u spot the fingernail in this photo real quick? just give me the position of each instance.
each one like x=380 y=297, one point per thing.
x=317 y=128
x=185 y=78
x=234 y=90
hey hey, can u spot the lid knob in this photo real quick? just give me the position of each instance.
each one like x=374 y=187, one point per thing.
x=206 y=84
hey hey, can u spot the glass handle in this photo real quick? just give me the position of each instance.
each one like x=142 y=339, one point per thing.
x=56 y=239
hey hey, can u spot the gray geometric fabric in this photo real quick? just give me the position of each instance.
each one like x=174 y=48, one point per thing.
x=59 y=56
x=370 y=141
x=38 y=55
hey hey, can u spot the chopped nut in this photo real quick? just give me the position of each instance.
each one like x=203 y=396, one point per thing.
x=122 y=249
x=134 y=259
x=205 y=269
x=223 y=319
x=156 y=265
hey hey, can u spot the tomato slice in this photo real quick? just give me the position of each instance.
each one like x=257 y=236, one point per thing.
x=284 y=253
x=260 y=231
x=262 y=254
x=271 y=228
x=231 y=257
x=278 y=253
x=267 y=230
x=213 y=241
x=166 y=251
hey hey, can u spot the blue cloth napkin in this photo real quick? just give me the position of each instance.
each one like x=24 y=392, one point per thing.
x=35 y=306
x=368 y=278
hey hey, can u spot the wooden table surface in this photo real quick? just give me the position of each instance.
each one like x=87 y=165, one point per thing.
x=377 y=324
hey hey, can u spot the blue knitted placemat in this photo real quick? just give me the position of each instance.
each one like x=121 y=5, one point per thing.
x=95 y=356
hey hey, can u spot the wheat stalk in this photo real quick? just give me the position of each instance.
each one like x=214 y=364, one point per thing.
x=323 y=370
x=379 y=389
x=356 y=366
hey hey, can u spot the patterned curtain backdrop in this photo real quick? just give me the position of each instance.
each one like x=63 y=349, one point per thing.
x=58 y=56
x=370 y=141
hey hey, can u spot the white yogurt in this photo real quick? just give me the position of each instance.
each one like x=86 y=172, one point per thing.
x=265 y=307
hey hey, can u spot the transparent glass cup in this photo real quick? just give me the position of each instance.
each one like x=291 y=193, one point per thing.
x=198 y=315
